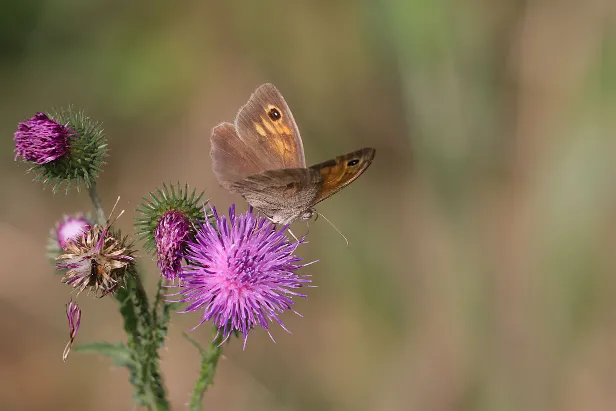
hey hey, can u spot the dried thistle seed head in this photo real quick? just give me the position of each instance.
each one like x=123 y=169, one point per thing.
x=98 y=261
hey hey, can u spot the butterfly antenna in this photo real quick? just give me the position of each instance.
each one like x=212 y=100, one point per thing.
x=335 y=228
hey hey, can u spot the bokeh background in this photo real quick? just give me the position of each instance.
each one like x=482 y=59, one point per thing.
x=481 y=271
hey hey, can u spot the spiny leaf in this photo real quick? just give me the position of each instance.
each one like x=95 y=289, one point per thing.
x=118 y=352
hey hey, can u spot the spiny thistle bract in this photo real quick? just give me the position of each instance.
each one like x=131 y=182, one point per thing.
x=169 y=217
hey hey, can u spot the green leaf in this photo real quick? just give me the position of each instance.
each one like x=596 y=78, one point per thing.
x=118 y=352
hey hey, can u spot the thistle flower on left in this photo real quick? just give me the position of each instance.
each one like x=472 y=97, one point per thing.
x=42 y=140
x=98 y=261
x=63 y=149
x=69 y=228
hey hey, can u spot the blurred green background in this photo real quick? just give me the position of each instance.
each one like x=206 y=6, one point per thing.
x=481 y=272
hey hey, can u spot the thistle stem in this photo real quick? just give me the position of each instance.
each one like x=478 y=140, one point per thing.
x=139 y=326
x=97 y=204
x=209 y=361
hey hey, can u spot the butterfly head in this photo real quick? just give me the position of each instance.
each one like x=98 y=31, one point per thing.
x=285 y=217
x=307 y=215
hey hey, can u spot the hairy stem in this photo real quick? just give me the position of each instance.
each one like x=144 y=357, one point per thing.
x=140 y=328
x=209 y=361
x=97 y=204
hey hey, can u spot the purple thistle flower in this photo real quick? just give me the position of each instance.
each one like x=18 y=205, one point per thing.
x=71 y=228
x=170 y=236
x=73 y=313
x=42 y=140
x=241 y=274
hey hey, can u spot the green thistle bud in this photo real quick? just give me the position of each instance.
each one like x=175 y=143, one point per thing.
x=169 y=216
x=66 y=148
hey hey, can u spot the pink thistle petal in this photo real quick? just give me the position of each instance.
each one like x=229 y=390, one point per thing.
x=42 y=140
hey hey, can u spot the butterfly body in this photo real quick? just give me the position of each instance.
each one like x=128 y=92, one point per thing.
x=261 y=157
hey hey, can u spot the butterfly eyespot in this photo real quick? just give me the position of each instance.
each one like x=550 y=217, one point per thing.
x=353 y=162
x=274 y=114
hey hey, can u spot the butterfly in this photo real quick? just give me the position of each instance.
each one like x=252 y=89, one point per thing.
x=261 y=157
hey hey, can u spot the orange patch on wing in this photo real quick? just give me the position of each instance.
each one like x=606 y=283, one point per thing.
x=278 y=145
x=268 y=125
x=282 y=128
x=260 y=129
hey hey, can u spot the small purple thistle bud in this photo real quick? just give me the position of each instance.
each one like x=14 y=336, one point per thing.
x=170 y=236
x=73 y=313
x=70 y=228
x=240 y=274
x=42 y=140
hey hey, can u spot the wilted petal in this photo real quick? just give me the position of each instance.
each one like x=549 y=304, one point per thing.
x=73 y=313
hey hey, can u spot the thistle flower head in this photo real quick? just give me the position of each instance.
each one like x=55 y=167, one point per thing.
x=98 y=260
x=73 y=314
x=70 y=228
x=65 y=149
x=166 y=223
x=170 y=235
x=41 y=139
x=241 y=274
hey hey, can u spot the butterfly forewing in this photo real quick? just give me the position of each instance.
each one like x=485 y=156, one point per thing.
x=266 y=125
x=232 y=159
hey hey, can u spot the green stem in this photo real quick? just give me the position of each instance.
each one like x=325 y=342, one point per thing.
x=209 y=361
x=97 y=204
x=140 y=328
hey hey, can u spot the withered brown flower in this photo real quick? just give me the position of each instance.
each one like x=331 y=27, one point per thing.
x=98 y=261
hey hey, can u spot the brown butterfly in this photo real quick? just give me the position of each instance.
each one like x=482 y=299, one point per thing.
x=261 y=157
